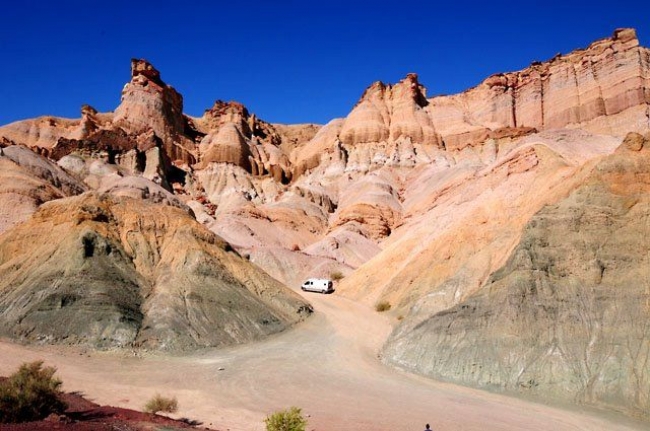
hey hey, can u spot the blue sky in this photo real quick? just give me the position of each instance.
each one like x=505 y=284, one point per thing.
x=287 y=61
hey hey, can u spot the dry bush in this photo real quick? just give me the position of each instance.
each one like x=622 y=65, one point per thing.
x=286 y=420
x=161 y=404
x=336 y=275
x=382 y=306
x=31 y=393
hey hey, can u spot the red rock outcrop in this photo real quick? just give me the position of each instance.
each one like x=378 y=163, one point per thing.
x=149 y=103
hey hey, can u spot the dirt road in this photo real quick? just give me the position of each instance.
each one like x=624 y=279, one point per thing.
x=327 y=365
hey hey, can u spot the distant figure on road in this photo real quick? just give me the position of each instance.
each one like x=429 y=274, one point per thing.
x=427 y=427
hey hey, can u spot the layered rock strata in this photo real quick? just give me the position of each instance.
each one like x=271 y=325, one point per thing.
x=567 y=316
x=111 y=271
x=603 y=88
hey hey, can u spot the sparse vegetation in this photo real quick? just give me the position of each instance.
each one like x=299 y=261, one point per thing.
x=336 y=275
x=161 y=404
x=32 y=393
x=382 y=306
x=286 y=420
x=294 y=247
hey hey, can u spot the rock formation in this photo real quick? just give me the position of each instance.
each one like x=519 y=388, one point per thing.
x=440 y=206
x=234 y=136
x=116 y=271
x=388 y=112
x=602 y=89
x=150 y=104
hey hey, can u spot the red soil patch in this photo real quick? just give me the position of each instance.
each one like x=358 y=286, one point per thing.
x=84 y=415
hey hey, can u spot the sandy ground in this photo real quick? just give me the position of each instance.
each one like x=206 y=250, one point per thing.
x=327 y=365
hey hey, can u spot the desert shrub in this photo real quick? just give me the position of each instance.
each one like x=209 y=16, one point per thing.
x=336 y=275
x=161 y=404
x=382 y=306
x=294 y=247
x=31 y=393
x=286 y=420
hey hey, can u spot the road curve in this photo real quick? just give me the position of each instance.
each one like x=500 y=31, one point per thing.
x=326 y=365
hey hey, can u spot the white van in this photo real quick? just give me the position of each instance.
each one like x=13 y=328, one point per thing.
x=318 y=285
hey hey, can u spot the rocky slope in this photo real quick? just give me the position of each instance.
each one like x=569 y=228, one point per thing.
x=108 y=271
x=28 y=180
x=567 y=316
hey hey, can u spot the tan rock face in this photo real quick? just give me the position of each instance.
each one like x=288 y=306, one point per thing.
x=115 y=271
x=566 y=317
x=373 y=203
x=226 y=145
x=28 y=180
x=386 y=113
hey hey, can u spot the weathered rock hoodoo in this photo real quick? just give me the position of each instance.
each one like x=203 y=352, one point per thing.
x=150 y=104
x=234 y=136
x=504 y=224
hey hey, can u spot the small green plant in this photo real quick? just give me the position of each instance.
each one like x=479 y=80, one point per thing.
x=31 y=393
x=336 y=275
x=161 y=404
x=382 y=306
x=286 y=420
